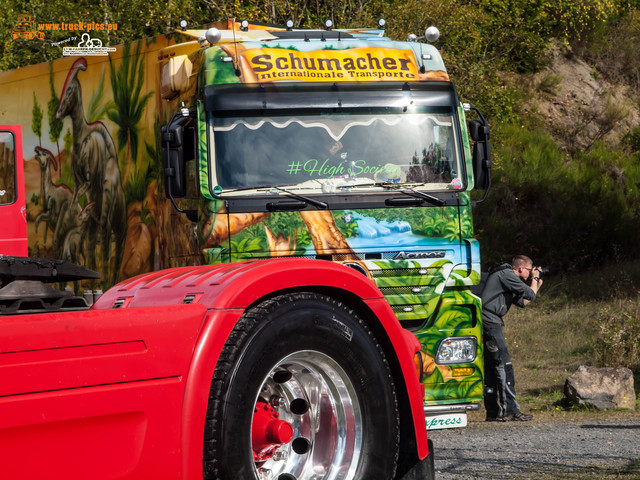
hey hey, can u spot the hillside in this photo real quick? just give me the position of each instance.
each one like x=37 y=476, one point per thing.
x=567 y=167
x=578 y=104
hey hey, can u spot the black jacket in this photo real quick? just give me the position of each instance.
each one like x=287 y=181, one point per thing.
x=503 y=289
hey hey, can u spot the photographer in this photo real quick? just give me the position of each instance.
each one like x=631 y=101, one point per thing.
x=515 y=284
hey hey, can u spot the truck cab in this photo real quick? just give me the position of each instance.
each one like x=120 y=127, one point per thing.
x=342 y=146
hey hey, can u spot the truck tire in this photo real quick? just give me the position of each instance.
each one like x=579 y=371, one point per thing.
x=301 y=391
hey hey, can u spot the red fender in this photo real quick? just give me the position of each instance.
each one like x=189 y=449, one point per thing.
x=227 y=290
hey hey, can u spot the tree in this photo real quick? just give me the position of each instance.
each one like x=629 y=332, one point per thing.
x=36 y=119
x=97 y=109
x=55 y=125
x=127 y=106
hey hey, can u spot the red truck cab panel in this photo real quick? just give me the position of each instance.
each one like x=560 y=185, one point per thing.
x=13 y=214
x=97 y=394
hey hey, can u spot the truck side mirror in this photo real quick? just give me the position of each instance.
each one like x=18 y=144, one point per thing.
x=481 y=156
x=178 y=146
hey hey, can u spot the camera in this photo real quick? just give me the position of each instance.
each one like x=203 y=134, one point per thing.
x=544 y=271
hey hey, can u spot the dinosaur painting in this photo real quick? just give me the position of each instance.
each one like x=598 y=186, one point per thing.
x=94 y=164
x=55 y=198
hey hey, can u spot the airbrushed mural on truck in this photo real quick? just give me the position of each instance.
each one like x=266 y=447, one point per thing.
x=390 y=181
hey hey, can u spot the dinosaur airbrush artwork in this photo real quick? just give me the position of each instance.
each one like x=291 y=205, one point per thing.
x=94 y=164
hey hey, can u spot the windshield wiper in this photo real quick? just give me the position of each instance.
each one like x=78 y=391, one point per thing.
x=401 y=188
x=304 y=198
x=387 y=185
x=426 y=196
x=280 y=188
x=259 y=187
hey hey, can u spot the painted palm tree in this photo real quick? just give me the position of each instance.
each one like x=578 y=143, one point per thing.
x=55 y=124
x=97 y=107
x=128 y=104
x=36 y=119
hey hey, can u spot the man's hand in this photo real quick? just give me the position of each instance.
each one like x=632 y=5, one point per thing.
x=536 y=279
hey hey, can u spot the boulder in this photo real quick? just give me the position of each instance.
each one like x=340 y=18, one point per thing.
x=602 y=388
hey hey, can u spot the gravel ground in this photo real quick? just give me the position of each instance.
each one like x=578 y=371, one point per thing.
x=539 y=449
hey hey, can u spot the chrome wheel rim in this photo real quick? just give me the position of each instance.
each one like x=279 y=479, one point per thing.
x=310 y=392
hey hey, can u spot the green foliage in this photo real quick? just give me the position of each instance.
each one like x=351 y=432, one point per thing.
x=97 y=109
x=570 y=213
x=136 y=188
x=68 y=142
x=128 y=103
x=303 y=14
x=348 y=229
x=614 y=49
x=55 y=125
x=550 y=83
x=632 y=139
x=569 y=19
x=36 y=119
x=618 y=341
x=66 y=176
x=247 y=245
x=132 y=20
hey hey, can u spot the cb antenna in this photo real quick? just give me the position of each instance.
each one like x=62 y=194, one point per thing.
x=244 y=26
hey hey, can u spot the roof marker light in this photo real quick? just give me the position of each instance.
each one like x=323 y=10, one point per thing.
x=289 y=24
x=328 y=24
x=381 y=23
x=244 y=25
x=213 y=36
x=183 y=25
x=432 y=34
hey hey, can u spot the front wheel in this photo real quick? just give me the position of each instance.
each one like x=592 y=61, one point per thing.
x=301 y=391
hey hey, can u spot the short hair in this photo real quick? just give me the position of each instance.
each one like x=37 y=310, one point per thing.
x=521 y=261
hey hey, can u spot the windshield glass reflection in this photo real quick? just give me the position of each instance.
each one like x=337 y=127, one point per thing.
x=319 y=150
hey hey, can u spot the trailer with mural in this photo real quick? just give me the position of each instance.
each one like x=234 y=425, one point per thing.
x=292 y=207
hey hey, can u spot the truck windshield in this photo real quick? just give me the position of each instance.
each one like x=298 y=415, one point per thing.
x=314 y=151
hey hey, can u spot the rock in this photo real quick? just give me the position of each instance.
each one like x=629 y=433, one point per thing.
x=602 y=388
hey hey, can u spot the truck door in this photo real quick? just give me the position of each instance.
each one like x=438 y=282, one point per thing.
x=13 y=213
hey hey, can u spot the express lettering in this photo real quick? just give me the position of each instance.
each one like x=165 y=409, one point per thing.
x=443 y=422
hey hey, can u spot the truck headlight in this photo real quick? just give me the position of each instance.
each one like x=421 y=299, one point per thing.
x=457 y=350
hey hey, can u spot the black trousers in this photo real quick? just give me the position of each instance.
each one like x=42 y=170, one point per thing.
x=499 y=380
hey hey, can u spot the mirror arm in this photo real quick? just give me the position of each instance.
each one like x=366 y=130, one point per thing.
x=486 y=192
